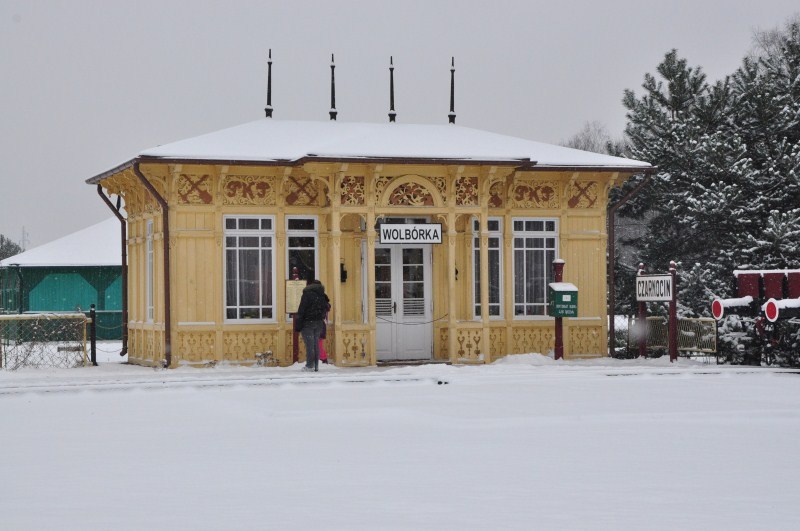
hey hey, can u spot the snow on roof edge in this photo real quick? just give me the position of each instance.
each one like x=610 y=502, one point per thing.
x=96 y=245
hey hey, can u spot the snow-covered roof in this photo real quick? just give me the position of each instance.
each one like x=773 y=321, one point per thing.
x=762 y=272
x=271 y=140
x=98 y=245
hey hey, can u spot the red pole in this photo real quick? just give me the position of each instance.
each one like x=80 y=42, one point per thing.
x=295 y=335
x=641 y=321
x=558 y=267
x=673 y=314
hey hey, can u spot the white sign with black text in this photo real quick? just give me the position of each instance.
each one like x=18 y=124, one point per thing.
x=410 y=233
x=652 y=288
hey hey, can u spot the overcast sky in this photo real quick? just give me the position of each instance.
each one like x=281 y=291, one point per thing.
x=88 y=85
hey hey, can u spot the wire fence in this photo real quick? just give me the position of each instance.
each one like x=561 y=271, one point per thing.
x=695 y=336
x=43 y=340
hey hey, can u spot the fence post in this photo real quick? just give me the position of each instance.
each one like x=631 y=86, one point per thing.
x=673 y=314
x=93 y=334
x=641 y=321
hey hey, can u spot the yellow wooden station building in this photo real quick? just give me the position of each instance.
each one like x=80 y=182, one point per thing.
x=434 y=242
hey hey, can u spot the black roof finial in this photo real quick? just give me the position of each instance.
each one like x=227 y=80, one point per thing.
x=333 y=111
x=268 y=109
x=392 y=114
x=452 y=115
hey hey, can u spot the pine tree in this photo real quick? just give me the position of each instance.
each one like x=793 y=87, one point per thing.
x=680 y=125
x=727 y=194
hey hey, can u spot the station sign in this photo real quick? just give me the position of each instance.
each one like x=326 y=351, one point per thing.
x=411 y=233
x=652 y=288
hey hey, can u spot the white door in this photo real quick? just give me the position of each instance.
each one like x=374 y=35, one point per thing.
x=404 y=329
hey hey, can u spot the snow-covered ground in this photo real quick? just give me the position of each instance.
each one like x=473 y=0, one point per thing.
x=524 y=443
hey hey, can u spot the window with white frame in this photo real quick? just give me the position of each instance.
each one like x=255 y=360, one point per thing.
x=149 y=288
x=249 y=267
x=495 y=273
x=535 y=248
x=301 y=248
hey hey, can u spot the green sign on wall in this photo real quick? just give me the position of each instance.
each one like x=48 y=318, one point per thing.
x=562 y=299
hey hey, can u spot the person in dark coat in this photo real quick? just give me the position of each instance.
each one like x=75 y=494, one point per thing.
x=309 y=320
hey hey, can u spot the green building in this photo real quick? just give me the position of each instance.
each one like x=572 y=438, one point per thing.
x=68 y=275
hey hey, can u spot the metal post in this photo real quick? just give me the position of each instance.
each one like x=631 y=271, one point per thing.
x=93 y=334
x=641 y=321
x=558 y=268
x=673 y=314
x=295 y=335
x=21 y=287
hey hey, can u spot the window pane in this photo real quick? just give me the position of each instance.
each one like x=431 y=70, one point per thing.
x=531 y=276
x=296 y=241
x=266 y=280
x=249 y=313
x=413 y=290
x=303 y=261
x=538 y=290
x=383 y=273
x=519 y=276
x=230 y=223
x=230 y=280
x=248 y=278
x=383 y=256
x=248 y=223
x=494 y=276
x=518 y=225
x=301 y=224
x=412 y=256
x=413 y=273
x=383 y=291
x=230 y=241
x=266 y=224
x=250 y=241
x=550 y=226
x=494 y=225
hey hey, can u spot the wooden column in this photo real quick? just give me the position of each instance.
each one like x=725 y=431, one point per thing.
x=336 y=254
x=451 y=285
x=484 y=276
x=285 y=347
x=371 y=346
x=218 y=292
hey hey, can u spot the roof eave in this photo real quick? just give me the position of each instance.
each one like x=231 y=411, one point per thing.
x=122 y=167
x=613 y=169
x=519 y=164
